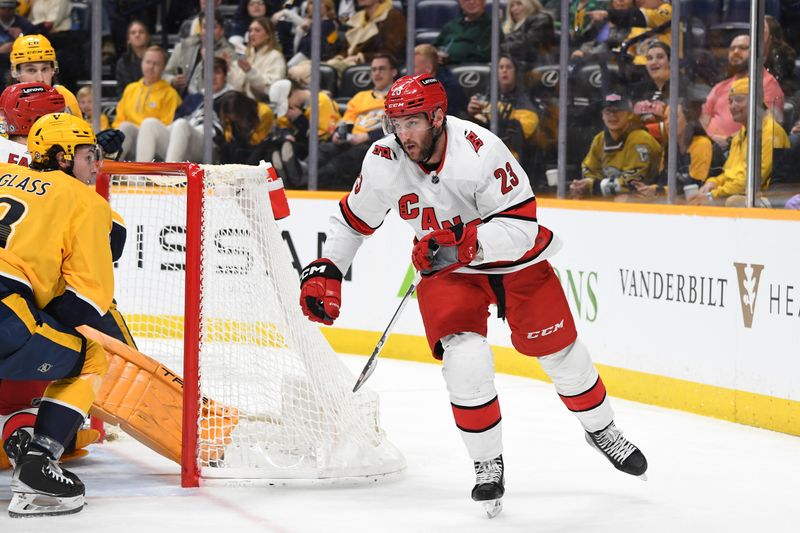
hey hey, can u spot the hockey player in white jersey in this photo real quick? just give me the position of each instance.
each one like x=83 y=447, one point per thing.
x=478 y=242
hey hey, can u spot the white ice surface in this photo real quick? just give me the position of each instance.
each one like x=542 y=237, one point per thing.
x=705 y=476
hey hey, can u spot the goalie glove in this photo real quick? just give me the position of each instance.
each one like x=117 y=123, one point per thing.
x=445 y=250
x=321 y=291
x=110 y=140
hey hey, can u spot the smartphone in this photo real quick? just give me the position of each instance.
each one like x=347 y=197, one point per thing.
x=179 y=71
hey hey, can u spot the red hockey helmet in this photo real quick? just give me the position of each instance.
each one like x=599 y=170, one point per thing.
x=23 y=103
x=410 y=95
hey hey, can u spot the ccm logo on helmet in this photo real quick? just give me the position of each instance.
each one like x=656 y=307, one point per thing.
x=546 y=331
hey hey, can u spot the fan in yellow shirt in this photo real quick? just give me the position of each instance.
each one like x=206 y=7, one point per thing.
x=150 y=97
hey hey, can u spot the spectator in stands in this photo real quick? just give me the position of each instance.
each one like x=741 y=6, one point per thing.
x=332 y=42
x=11 y=27
x=517 y=120
x=779 y=57
x=185 y=66
x=261 y=66
x=621 y=154
x=85 y=101
x=733 y=180
x=182 y=140
x=695 y=154
x=793 y=202
x=378 y=28
x=151 y=96
x=426 y=61
x=582 y=28
x=129 y=65
x=716 y=118
x=245 y=13
x=529 y=35
x=361 y=126
x=598 y=35
x=646 y=21
x=191 y=26
x=51 y=16
x=246 y=127
x=467 y=39
x=292 y=103
x=651 y=95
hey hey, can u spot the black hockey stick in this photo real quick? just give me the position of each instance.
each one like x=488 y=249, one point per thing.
x=372 y=362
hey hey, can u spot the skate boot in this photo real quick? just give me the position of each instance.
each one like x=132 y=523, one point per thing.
x=624 y=455
x=490 y=485
x=39 y=486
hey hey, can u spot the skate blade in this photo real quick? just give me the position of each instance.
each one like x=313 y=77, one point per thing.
x=29 y=505
x=492 y=507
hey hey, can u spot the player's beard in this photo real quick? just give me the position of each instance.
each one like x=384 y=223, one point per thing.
x=425 y=147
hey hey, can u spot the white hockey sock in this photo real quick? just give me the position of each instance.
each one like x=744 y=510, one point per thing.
x=579 y=385
x=468 y=370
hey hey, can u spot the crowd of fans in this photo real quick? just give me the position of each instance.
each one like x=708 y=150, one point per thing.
x=618 y=109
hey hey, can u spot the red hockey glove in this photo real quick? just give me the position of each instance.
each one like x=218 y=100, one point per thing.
x=321 y=291
x=445 y=250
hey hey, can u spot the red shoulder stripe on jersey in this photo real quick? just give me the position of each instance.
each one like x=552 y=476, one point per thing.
x=352 y=220
x=478 y=418
x=588 y=400
x=525 y=210
x=543 y=240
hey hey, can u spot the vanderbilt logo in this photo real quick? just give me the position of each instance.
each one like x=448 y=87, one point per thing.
x=749 y=276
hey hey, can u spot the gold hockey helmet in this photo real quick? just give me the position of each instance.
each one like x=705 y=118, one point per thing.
x=63 y=129
x=31 y=49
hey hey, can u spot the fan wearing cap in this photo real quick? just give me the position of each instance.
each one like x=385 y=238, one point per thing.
x=733 y=180
x=477 y=242
x=621 y=154
x=292 y=105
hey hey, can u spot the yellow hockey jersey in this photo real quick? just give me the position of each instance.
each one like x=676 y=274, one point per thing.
x=365 y=111
x=634 y=157
x=69 y=98
x=54 y=241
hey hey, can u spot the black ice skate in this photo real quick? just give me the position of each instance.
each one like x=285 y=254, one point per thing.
x=39 y=486
x=490 y=485
x=624 y=455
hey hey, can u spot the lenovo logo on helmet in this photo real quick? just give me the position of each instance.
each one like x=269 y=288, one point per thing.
x=428 y=81
x=33 y=90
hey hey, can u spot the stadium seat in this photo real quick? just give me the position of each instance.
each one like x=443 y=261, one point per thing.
x=473 y=78
x=708 y=11
x=789 y=115
x=426 y=36
x=328 y=79
x=433 y=14
x=354 y=79
x=543 y=80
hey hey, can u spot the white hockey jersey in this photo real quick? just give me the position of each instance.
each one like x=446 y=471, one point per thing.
x=14 y=152
x=477 y=182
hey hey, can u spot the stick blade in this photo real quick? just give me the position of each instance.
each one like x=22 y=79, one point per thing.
x=369 y=368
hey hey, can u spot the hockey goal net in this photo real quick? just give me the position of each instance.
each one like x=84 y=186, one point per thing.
x=207 y=286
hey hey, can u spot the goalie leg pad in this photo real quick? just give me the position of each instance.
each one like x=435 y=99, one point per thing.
x=468 y=370
x=145 y=399
x=579 y=386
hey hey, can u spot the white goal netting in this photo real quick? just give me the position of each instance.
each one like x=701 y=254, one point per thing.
x=284 y=395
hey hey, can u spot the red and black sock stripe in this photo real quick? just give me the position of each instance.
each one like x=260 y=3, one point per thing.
x=588 y=400
x=478 y=418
